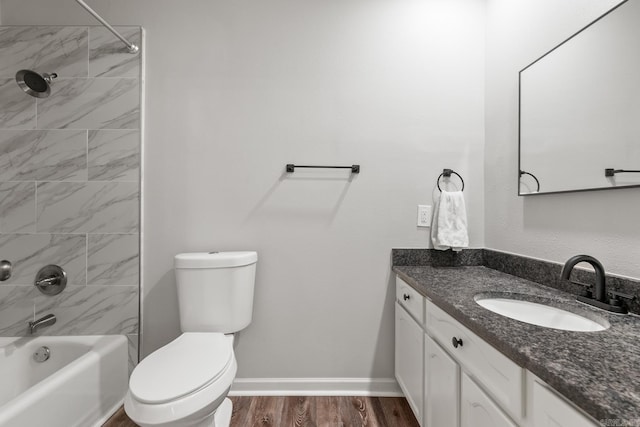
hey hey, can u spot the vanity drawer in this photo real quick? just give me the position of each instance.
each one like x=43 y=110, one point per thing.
x=477 y=410
x=499 y=376
x=410 y=299
x=551 y=410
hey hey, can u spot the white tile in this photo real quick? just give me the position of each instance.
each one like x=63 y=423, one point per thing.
x=109 y=57
x=114 y=155
x=112 y=259
x=30 y=252
x=17 y=207
x=39 y=155
x=44 y=49
x=91 y=104
x=17 y=109
x=90 y=207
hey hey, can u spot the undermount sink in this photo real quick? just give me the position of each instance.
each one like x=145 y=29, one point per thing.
x=540 y=314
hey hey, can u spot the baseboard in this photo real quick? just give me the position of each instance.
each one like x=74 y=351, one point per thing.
x=382 y=387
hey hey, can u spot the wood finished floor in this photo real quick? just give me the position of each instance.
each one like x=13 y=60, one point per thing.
x=317 y=411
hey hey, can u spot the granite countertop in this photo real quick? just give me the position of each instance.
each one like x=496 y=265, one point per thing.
x=598 y=371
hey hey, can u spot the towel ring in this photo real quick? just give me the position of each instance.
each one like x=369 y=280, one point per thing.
x=532 y=176
x=447 y=173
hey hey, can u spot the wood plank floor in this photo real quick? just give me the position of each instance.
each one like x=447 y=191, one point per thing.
x=318 y=411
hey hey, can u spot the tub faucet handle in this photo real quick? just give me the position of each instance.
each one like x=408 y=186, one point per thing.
x=51 y=280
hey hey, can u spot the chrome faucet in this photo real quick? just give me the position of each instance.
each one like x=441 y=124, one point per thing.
x=600 y=298
x=47 y=320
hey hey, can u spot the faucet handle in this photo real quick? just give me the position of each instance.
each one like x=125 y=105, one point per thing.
x=617 y=294
x=586 y=292
x=615 y=298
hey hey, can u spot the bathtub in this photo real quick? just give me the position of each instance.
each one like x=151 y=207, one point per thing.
x=82 y=383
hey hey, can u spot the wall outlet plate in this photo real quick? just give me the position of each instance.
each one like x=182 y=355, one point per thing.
x=424 y=216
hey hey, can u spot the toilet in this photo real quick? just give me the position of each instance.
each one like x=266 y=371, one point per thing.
x=185 y=383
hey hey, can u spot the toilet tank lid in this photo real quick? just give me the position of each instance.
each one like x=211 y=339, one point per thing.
x=215 y=259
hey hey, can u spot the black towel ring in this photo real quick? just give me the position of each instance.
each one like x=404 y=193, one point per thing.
x=447 y=173
x=532 y=176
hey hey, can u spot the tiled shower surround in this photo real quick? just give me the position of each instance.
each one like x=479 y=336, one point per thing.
x=70 y=180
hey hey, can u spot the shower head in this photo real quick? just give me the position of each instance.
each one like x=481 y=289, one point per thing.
x=35 y=84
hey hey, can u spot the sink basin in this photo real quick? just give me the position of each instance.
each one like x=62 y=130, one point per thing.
x=540 y=314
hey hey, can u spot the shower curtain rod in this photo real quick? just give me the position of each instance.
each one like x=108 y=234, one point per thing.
x=130 y=46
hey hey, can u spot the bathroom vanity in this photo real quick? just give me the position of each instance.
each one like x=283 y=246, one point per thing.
x=460 y=364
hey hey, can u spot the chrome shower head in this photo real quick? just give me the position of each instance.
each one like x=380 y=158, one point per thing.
x=35 y=84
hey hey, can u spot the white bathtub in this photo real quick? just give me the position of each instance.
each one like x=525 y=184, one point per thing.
x=82 y=384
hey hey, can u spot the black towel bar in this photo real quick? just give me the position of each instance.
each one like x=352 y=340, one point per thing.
x=613 y=172
x=447 y=173
x=354 y=168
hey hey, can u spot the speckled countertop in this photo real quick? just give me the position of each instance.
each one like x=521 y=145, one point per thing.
x=598 y=371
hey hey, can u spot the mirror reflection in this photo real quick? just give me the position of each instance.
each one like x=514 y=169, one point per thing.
x=580 y=109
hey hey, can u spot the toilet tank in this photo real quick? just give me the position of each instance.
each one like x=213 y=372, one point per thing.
x=215 y=290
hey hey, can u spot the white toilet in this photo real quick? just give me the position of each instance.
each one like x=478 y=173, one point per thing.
x=185 y=383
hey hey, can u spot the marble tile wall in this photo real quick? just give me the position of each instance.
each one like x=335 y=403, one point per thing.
x=70 y=180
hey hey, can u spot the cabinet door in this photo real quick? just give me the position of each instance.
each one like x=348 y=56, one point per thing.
x=409 y=359
x=442 y=387
x=500 y=376
x=477 y=410
x=550 y=410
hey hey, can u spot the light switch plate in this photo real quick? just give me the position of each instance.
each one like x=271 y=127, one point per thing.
x=424 y=216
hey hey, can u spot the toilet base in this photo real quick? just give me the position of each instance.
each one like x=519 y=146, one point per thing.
x=222 y=417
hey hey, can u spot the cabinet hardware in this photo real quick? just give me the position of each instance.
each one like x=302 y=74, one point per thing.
x=406 y=297
x=456 y=342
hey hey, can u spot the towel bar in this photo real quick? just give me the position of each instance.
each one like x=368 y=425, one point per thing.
x=354 y=168
x=613 y=172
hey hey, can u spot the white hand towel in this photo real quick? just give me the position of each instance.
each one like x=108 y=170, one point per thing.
x=449 y=225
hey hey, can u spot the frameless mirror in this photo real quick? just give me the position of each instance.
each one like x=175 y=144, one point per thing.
x=580 y=109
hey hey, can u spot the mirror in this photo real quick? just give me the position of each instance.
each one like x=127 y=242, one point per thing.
x=580 y=109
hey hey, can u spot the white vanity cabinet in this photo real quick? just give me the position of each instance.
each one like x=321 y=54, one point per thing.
x=442 y=386
x=477 y=409
x=499 y=376
x=453 y=378
x=409 y=356
x=409 y=359
x=548 y=409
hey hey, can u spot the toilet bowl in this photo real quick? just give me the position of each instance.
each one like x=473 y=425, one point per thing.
x=185 y=383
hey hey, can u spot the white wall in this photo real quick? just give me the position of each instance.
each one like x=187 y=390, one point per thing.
x=552 y=227
x=235 y=90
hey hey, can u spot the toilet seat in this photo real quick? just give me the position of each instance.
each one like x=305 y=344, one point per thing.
x=182 y=367
x=202 y=401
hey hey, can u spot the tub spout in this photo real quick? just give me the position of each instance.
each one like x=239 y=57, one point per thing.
x=47 y=320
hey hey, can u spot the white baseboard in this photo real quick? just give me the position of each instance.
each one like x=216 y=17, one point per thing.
x=381 y=387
